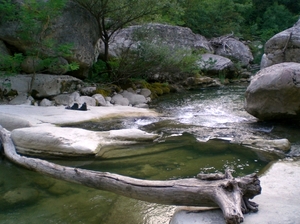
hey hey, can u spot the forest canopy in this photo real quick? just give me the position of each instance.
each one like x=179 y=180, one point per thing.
x=248 y=19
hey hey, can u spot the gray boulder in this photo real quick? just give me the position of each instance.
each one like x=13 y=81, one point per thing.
x=23 y=99
x=215 y=64
x=145 y=92
x=174 y=36
x=100 y=101
x=134 y=99
x=90 y=101
x=234 y=49
x=118 y=99
x=274 y=93
x=73 y=26
x=283 y=47
x=67 y=99
x=46 y=103
x=88 y=91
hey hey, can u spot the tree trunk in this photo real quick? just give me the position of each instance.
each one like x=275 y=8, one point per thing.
x=230 y=194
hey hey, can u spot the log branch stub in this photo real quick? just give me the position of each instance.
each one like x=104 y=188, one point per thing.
x=210 y=190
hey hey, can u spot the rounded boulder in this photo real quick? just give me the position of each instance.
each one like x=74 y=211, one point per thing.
x=274 y=93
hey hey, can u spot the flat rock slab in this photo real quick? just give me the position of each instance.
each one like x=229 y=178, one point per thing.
x=18 y=116
x=278 y=202
x=35 y=132
x=57 y=141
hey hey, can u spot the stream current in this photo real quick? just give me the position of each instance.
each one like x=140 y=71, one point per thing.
x=184 y=149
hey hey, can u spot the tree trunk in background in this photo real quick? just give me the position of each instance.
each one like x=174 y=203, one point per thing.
x=230 y=194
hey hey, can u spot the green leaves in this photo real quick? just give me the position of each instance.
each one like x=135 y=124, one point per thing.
x=8 y=11
x=11 y=64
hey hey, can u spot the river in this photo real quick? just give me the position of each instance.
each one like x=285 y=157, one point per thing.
x=185 y=148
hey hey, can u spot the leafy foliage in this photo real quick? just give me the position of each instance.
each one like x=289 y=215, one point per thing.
x=251 y=19
x=112 y=15
x=11 y=64
x=145 y=61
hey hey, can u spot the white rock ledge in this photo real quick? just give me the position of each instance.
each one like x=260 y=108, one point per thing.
x=18 y=116
x=35 y=132
x=56 y=141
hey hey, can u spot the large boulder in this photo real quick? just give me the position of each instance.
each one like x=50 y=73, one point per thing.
x=234 y=49
x=274 y=93
x=56 y=141
x=213 y=64
x=173 y=36
x=283 y=47
x=74 y=26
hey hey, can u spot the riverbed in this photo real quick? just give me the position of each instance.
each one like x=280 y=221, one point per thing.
x=184 y=149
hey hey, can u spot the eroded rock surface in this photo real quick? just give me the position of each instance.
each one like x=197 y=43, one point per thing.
x=57 y=141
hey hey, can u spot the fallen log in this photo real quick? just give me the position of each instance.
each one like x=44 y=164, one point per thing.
x=230 y=194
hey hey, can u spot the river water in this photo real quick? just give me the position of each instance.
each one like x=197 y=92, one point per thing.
x=184 y=149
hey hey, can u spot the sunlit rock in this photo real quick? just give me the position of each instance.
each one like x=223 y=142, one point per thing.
x=274 y=93
x=57 y=141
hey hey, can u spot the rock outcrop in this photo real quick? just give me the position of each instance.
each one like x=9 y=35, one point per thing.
x=74 y=26
x=213 y=64
x=232 y=48
x=274 y=93
x=173 y=36
x=283 y=47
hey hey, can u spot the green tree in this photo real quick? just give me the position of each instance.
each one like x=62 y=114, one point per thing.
x=112 y=15
x=275 y=19
x=212 y=17
x=149 y=56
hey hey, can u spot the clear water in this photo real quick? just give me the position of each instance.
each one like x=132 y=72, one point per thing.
x=28 y=197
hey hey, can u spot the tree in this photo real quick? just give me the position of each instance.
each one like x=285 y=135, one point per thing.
x=230 y=194
x=212 y=18
x=112 y=15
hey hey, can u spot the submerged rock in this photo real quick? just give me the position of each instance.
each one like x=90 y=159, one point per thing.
x=20 y=195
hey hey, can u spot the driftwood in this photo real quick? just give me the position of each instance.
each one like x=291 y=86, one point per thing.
x=221 y=41
x=230 y=194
